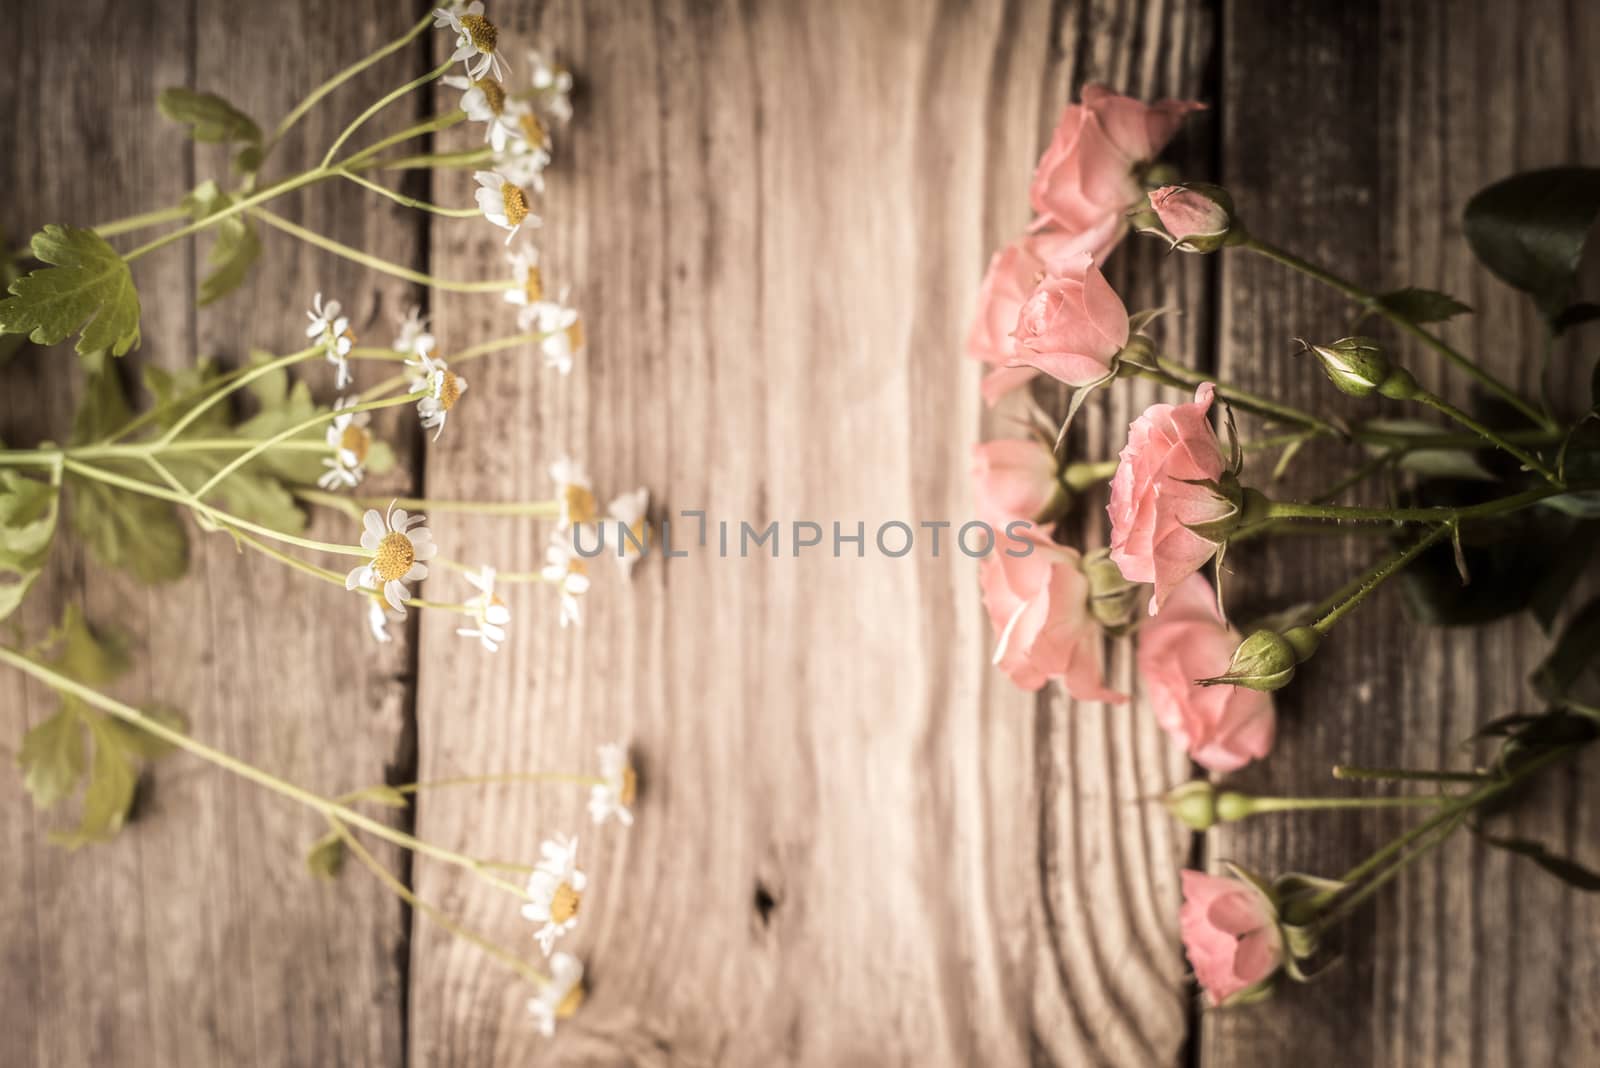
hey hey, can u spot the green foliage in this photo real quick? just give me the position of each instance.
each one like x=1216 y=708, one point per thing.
x=88 y=290
x=387 y=796
x=1574 y=661
x=28 y=509
x=1530 y=229
x=1422 y=305
x=10 y=271
x=1568 y=871
x=53 y=753
x=326 y=856
x=235 y=248
x=209 y=117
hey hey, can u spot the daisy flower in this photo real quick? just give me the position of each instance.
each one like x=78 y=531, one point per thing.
x=503 y=203
x=476 y=38
x=614 y=796
x=350 y=441
x=562 y=331
x=489 y=613
x=400 y=546
x=332 y=331
x=484 y=100
x=523 y=166
x=379 y=618
x=569 y=573
x=442 y=388
x=553 y=82
x=555 y=890
x=561 y=996
x=575 y=492
x=633 y=532
x=414 y=339
x=529 y=288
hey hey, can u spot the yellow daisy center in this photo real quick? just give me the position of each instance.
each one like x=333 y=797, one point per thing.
x=641 y=534
x=516 y=203
x=533 y=129
x=581 y=507
x=349 y=335
x=449 y=390
x=533 y=285
x=494 y=94
x=564 y=903
x=394 y=557
x=570 y=1004
x=356 y=441
x=575 y=335
x=481 y=32
x=630 y=786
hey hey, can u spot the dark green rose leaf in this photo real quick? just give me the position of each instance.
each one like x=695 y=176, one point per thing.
x=1422 y=305
x=1530 y=229
x=1575 y=315
x=1568 y=871
x=1574 y=661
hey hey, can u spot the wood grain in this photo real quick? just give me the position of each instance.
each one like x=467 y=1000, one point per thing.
x=1358 y=141
x=196 y=937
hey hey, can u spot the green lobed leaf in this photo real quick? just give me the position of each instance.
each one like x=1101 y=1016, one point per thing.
x=141 y=745
x=1575 y=655
x=234 y=249
x=1530 y=229
x=82 y=653
x=10 y=271
x=52 y=757
x=109 y=795
x=281 y=405
x=209 y=117
x=28 y=513
x=88 y=290
x=1568 y=871
x=326 y=856
x=1423 y=305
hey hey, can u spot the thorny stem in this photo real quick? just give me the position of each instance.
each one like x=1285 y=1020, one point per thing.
x=1444 y=407
x=1378 y=575
x=1438 y=514
x=1352 y=773
x=1171 y=374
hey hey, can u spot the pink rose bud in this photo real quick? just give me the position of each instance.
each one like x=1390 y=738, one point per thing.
x=1039 y=606
x=1089 y=176
x=1197 y=217
x=1074 y=324
x=1155 y=498
x=1230 y=932
x=1222 y=727
x=1013 y=479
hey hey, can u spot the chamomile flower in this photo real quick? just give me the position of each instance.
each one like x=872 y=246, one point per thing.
x=529 y=287
x=477 y=38
x=489 y=613
x=555 y=890
x=484 y=100
x=614 y=796
x=350 y=441
x=441 y=387
x=627 y=512
x=575 y=492
x=554 y=84
x=413 y=338
x=523 y=166
x=503 y=203
x=400 y=546
x=379 y=618
x=563 y=338
x=332 y=331
x=568 y=573
x=561 y=996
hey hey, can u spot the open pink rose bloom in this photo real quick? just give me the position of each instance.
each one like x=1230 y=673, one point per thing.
x=1230 y=932
x=1039 y=606
x=1222 y=727
x=1073 y=325
x=1012 y=478
x=1154 y=498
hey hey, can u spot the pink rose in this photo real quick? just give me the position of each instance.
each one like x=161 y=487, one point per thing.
x=1222 y=727
x=1154 y=500
x=1073 y=325
x=1090 y=175
x=1012 y=274
x=1039 y=606
x=1230 y=931
x=1012 y=479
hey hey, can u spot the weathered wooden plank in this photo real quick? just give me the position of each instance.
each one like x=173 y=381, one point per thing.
x=857 y=843
x=196 y=937
x=1358 y=139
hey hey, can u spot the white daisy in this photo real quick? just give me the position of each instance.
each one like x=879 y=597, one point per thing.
x=476 y=38
x=400 y=546
x=561 y=996
x=529 y=287
x=575 y=492
x=379 y=618
x=555 y=890
x=569 y=573
x=554 y=84
x=442 y=388
x=562 y=331
x=503 y=203
x=523 y=165
x=632 y=530
x=612 y=797
x=332 y=331
x=484 y=100
x=489 y=613
x=413 y=338
x=350 y=441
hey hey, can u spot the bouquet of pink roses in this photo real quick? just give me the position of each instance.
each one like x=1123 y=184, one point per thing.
x=1512 y=471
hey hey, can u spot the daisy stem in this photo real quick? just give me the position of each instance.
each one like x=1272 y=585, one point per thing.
x=405 y=201
x=377 y=263
x=339 y=79
x=238 y=383
x=297 y=564
x=428 y=161
x=437 y=915
x=464 y=356
x=381 y=103
x=139 y=222
x=216 y=515
x=536 y=509
x=179 y=740
x=504 y=779
x=363 y=158
x=244 y=204
x=1370 y=302
x=299 y=428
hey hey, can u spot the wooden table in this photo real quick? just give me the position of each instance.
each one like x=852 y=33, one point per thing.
x=857 y=844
